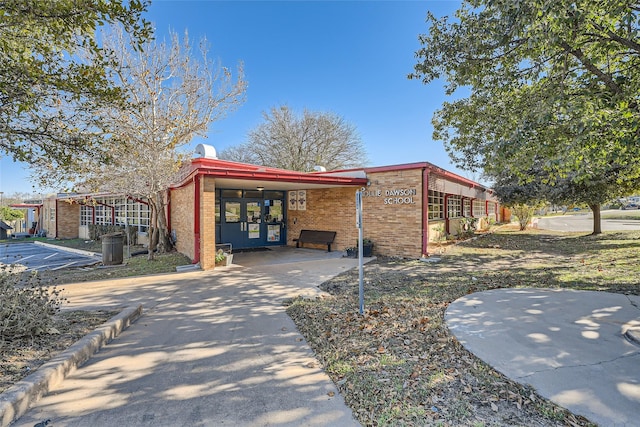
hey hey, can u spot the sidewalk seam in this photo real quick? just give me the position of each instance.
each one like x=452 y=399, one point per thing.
x=15 y=401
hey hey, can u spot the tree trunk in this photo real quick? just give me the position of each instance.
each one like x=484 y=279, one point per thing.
x=597 y=223
x=164 y=238
x=153 y=230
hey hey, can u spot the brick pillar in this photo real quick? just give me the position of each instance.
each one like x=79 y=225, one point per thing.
x=207 y=223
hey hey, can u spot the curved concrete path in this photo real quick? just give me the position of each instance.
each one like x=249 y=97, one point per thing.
x=211 y=348
x=576 y=348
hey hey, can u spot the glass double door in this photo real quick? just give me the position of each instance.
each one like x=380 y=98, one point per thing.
x=250 y=223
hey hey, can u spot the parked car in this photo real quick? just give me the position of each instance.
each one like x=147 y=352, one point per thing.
x=631 y=206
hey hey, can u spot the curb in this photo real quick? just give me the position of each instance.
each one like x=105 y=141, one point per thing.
x=15 y=401
x=66 y=249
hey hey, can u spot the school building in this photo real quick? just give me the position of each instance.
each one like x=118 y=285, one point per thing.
x=405 y=207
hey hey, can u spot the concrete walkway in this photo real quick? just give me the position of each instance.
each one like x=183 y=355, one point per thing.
x=211 y=349
x=579 y=349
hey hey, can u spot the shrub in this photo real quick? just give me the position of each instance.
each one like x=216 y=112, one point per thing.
x=524 y=213
x=468 y=227
x=96 y=231
x=26 y=311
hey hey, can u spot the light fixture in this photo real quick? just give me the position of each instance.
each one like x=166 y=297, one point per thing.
x=260 y=188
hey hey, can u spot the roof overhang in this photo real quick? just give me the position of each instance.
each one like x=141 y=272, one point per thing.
x=432 y=169
x=26 y=205
x=245 y=176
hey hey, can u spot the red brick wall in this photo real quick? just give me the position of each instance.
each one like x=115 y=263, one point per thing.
x=331 y=209
x=60 y=218
x=394 y=227
x=48 y=217
x=392 y=213
x=68 y=220
x=182 y=216
x=207 y=223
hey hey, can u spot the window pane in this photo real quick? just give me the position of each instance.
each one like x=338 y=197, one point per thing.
x=237 y=194
x=253 y=194
x=273 y=210
x=254 y=212
x=274 y=195
x=231 y=212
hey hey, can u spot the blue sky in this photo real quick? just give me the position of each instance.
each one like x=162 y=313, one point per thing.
x=348 y=57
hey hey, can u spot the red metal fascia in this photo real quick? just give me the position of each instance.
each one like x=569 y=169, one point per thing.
x=196 y=219
x=186 y=181
x=425 y=212
x=138 y=200
x=232 y=170
x=284 y=177
x=393 y=168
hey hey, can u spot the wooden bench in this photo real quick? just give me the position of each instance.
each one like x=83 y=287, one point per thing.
x=318 y=237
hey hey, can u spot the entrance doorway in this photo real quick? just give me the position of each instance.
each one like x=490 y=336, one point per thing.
x=246 y=221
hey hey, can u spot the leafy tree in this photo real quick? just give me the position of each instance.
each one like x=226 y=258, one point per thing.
x=9 y=214
x=288 y=141
x=48 y=93
x=553 y=94
x=173 y=96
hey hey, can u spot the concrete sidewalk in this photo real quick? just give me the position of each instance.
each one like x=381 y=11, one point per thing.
x=211 y=348
x=576 y=348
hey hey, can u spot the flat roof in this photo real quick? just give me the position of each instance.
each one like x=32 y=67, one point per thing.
x=236 y=175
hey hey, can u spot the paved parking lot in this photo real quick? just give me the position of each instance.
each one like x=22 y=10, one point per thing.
x=38 y=257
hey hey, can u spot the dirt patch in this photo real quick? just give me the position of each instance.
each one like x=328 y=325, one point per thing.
x=20 y=358
x=398 y=364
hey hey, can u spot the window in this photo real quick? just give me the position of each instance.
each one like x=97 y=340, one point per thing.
x=454 y=207
x=103 y=214
x=52 y=214
x=232 y=212
x=138 y=214
x=466 y=207
x=232 y=194
x=478 y=208
x=491 y=209
x=121 y=211
x=86 y=215
x=273 y=210
x=436 y=205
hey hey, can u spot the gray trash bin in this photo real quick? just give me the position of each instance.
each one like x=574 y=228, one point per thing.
x=112 y=245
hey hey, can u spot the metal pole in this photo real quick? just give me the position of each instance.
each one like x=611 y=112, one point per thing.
x=360 y=264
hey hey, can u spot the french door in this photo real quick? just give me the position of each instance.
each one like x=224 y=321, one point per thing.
x=242 y=222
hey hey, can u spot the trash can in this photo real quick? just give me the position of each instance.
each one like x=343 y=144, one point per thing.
x=112 y=245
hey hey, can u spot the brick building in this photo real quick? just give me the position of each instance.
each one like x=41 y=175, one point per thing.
x=68 y=216
x=405 y=207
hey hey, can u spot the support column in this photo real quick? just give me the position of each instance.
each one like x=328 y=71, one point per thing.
x=207 y=223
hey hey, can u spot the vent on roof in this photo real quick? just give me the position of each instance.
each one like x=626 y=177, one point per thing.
x=319 y=169
x=206 y=151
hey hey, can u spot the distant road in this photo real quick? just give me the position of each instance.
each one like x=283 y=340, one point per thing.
x=584 y=222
